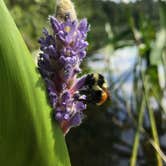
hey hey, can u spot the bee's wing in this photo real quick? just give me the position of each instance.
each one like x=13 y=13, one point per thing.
x=65 y=8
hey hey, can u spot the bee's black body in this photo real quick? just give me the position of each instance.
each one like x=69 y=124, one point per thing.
x=94 y=88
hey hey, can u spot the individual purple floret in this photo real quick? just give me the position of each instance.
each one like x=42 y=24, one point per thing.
x=62 y=52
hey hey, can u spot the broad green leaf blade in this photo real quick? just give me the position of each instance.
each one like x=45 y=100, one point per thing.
x=28 y=137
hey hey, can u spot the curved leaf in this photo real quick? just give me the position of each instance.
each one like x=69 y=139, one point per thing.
x=27 y=134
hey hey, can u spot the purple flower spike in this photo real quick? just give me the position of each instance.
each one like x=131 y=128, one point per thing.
x=62 y=52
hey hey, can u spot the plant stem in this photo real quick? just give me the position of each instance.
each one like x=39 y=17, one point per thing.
x=152 y=122
x=137 y=135
x=154 y=133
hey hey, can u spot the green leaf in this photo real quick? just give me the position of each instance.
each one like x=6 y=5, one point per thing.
x=152 y=119
x=135 y=148
x=28 y=136
x=160 y=43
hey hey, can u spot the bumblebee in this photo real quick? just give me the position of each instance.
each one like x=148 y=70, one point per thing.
x=95 y=88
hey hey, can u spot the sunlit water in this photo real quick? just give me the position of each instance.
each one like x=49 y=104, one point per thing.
x=117 y=64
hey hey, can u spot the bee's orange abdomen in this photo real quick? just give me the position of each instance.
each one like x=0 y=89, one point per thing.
x=103 y=98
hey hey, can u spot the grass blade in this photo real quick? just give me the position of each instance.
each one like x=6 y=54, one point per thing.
x=152 y=120
x=137 y=135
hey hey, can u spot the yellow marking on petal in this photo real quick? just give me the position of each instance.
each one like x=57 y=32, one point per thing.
x=67 y=29
x=68 y=53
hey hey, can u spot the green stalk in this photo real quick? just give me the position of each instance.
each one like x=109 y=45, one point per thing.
x=153 y=123
x=155 y=134
x=137 y=135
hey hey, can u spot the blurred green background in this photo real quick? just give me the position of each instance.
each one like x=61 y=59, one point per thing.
x=127 y=44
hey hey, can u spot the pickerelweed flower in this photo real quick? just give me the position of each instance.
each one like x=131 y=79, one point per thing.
x=62 y=52
x=58 y=63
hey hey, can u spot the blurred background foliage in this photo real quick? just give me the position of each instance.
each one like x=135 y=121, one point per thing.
x=127 y=43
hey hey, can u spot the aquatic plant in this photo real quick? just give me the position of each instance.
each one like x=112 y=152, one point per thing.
x=62 y=54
